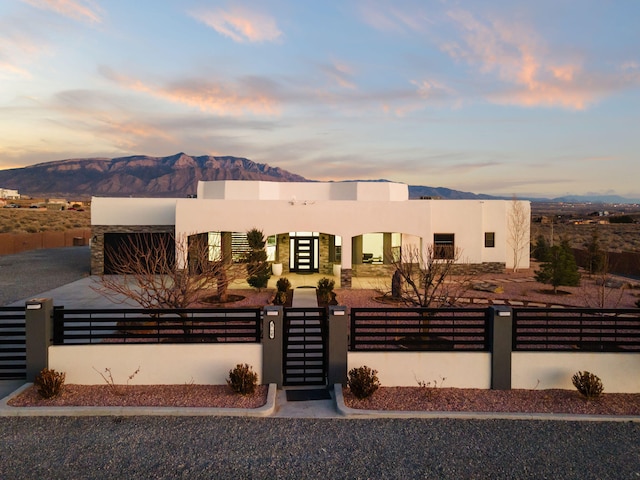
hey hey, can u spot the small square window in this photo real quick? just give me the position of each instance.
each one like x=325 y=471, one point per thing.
x=489 y=239
x=444 y=246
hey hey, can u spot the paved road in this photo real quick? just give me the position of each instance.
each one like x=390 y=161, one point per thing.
x=226 y=447
x=29 y=273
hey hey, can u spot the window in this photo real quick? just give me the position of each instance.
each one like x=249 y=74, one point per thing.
x=489 y=239
x=443 y=246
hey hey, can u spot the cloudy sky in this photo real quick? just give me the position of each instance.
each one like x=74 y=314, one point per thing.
x=490 y=96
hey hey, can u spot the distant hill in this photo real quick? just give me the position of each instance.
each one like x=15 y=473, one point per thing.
x=138 y=175
x=416 y=191
x=178 y=175
x=595 y=199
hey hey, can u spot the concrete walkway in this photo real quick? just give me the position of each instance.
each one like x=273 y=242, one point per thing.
x=304 y=297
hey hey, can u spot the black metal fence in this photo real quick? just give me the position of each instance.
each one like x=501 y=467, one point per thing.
x=13 y=352
x=576 y=329
x=215 y=325
x=419 y=329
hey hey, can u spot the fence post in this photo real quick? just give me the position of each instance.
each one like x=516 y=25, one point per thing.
x=501 y=338
x=272 y=339
x=338 y=345
x=38 y=333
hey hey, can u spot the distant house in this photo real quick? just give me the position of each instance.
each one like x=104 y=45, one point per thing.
x=353 y=229
x=8 y=194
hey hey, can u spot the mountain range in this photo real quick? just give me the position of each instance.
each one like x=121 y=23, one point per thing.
x=177 y=176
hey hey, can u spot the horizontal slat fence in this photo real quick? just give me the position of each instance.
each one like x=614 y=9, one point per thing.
x=215 y=325
x=419 y=329
x=577 y=329
x=13 y=352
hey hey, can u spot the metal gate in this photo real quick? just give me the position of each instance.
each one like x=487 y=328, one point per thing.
x=13 y=350
x=305 y=346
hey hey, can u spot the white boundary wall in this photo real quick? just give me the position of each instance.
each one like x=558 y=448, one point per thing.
x=534 y=370
x=202 y=364
x=618 y=371
x=405 y=369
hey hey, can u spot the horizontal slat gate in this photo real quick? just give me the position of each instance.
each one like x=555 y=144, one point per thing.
x=305 y=346
x=13 y=352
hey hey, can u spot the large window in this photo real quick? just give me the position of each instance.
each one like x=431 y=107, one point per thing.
x=489 y=239
x=443 y=246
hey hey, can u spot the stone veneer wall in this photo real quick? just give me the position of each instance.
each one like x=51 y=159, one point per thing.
x=282 y=251
x=372 y=270
x=380 y=270
x=97 y=240
x=479 y=268
x=326 y=267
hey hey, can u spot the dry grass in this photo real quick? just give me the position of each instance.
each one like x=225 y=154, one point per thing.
x=31 y=220
x=612 y=237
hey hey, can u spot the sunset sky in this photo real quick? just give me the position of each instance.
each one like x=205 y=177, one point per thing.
x=532 y=98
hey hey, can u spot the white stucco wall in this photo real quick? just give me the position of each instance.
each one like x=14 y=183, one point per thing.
x=618 y=371
x=203 y=364
x=468 y=219
x=302 y=191
x=398 y=369
x=344 y=209
x=133 y=211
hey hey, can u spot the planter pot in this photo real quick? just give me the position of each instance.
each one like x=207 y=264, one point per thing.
x=276 y=269
x=336 y=270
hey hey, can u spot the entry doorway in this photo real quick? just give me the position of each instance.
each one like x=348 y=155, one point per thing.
x=304 y=252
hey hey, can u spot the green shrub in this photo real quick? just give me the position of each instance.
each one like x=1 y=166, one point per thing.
x=242 y=379
x=363 y=382
x=283 y=284
x=588 y=384
x=49 y=383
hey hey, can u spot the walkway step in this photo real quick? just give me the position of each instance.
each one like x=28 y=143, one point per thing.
x=304 y=298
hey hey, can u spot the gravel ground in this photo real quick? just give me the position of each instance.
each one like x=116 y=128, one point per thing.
x=30 y=273
x=226 y=447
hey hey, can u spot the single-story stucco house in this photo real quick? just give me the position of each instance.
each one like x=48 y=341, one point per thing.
x=335 y=228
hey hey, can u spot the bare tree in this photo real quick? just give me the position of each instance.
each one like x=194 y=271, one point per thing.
x=145 y=271
x=429 y=278
x=606 y=291
x=518 y=231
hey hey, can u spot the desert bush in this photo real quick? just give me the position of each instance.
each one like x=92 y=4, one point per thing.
x=280 y=298
x=283 y=284
x=588 y=384
x=363 y=382
x=325 y=288
x=114 y=388
x=242 y=379
x=49 y=383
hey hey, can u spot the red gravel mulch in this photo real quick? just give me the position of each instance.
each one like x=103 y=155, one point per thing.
x=474 y=400
x=220 y=396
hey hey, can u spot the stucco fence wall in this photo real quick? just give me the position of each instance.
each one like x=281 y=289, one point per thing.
x=618 y=371
x=169 y=364
x=539 y=370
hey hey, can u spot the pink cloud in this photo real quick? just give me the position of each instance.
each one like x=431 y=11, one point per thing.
x=340 y=73
x=533 y=76
x=241 y=25
x=221 y=98
x=83 y=10
x=386 y=17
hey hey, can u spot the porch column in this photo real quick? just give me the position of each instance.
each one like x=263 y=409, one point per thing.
x=345 y=271
x=182 y=250
x=386 y=248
